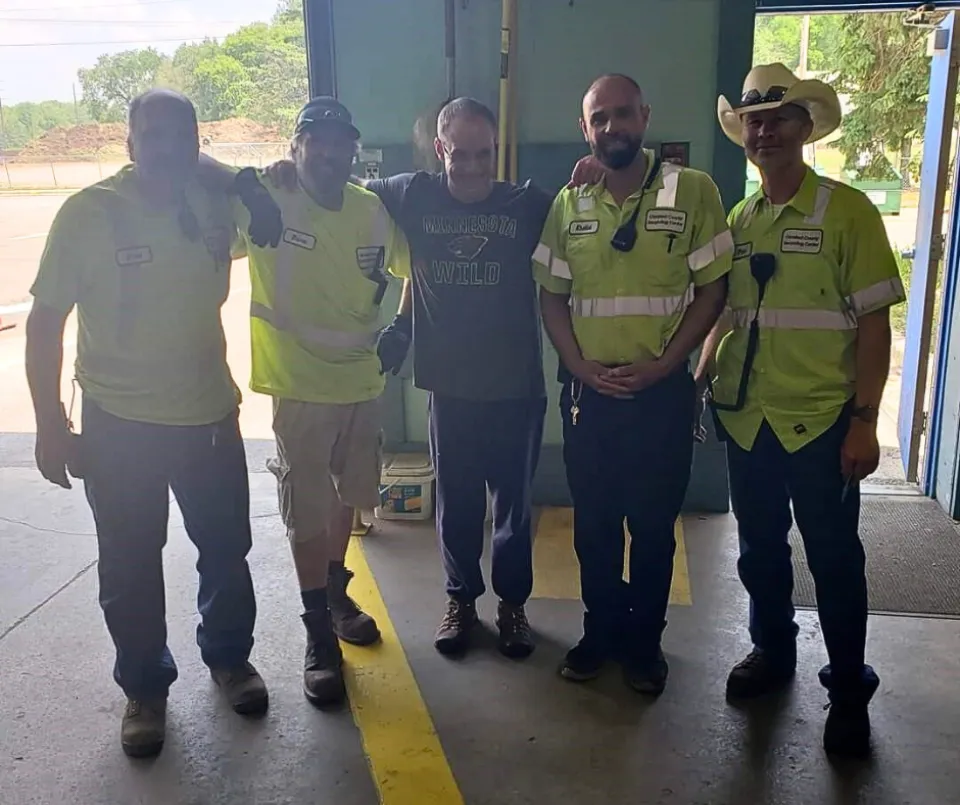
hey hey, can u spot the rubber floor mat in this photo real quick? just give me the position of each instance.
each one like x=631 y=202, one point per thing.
x=913 y=558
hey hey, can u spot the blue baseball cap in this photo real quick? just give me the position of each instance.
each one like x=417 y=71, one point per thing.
x=325 y=110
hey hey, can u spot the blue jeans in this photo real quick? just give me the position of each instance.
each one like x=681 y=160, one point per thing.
x=129 y=468
x=472 y=445
x=764 y=481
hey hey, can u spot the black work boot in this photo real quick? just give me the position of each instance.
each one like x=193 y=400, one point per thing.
x=647 y=675
x=323 y=664
x=143 y=727
x=453 y=633
x=759 y=674
x=516 y=639
x=350 y=623
x=244 y=689
x=847 y=731
x=585 y=660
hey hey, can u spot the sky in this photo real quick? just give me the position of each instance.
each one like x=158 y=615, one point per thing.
x=44 y=42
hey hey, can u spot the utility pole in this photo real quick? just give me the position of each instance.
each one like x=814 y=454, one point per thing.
x=804 y=46
x=76 y=109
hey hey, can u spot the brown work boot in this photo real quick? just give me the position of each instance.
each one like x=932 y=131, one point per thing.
x=244 y=689
x=323 y=664
x=454 y=631
x=350 y=623
x=143 y=727
x=516 y=638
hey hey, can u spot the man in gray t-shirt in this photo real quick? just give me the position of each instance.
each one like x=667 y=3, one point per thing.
x=471 y=308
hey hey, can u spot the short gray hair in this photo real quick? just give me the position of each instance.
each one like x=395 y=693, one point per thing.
x=464 y=107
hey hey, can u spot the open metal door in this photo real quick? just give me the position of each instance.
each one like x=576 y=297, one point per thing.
x=930 y=241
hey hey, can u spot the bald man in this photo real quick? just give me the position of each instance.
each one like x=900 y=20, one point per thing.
x=632 y=271
x=144 y=256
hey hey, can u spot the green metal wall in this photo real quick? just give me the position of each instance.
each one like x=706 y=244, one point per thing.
x=390 y=68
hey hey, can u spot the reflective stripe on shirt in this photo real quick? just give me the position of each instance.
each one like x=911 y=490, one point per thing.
x=885 y=292
x=796 y=319
x=607 y=307
x=709 y=252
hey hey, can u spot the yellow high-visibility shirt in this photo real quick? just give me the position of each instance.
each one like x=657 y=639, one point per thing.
x=834 y=265
x=151 y=346
x=627 y=306
x=314 y=317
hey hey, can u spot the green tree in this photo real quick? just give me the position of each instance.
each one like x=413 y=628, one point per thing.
x=22 y=122
x=885 y=71
x=115 y=80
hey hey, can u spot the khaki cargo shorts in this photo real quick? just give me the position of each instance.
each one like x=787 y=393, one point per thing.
x=327 y=454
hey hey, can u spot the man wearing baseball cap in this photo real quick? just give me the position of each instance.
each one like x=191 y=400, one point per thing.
x=314 y=318
x=796 y=387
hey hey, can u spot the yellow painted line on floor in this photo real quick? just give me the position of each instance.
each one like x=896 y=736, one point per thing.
x=556 y=573
x=406 y=759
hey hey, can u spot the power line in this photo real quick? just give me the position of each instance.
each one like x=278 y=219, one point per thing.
x=105 y=5
x=137 y=23
x=110 y=42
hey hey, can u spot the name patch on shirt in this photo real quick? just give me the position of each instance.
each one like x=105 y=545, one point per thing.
x=136 y=256
x=301 y=240
x=584 y=227
x=742 y=250
x=371 y=258
x=801 y=241
x=666 y=221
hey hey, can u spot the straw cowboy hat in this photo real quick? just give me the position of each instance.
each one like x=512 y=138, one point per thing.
x=770 y=86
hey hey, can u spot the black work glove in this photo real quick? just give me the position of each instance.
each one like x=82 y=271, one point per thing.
x=394 y=343
x=266 y=222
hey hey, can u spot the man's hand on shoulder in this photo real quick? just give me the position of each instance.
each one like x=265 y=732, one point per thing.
x=266 y=220
x=394 y=343
x=282 y=174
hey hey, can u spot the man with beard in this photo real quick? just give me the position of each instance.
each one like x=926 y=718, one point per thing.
x=470 y=305
x=633 y=276
x=315 y=309
x=144 y=256
x=798 y=381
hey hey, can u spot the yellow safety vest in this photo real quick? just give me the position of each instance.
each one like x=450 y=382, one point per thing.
x=315 y=298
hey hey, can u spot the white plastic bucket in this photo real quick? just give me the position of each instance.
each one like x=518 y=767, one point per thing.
x=406 y=488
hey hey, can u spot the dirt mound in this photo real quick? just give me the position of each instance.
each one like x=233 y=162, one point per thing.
x=109 y=140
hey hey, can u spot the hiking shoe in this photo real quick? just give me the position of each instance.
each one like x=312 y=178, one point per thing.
x=516 y=639
x=758 y=675
x=143 y=728
x=454 y=631
x=584 y=661
x=350 y=623
x=323 y=683
x=244 y=689
x=647 y=677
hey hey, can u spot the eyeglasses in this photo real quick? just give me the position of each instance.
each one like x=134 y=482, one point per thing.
x=753 y=97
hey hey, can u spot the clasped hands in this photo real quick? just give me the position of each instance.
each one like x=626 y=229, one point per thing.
x=620 y=381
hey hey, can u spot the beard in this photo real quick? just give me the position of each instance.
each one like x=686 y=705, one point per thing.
x=618 y=151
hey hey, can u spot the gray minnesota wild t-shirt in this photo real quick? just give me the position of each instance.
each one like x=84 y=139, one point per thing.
x=476 y=319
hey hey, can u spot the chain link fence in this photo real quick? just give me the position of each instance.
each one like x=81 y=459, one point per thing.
x=67 y=172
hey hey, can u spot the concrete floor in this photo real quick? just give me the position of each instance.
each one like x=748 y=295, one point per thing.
x=509 y=732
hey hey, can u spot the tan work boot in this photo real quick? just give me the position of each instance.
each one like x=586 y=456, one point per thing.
x=323 y=664
x=143 y=728
x=244 y=689
x=350 y=623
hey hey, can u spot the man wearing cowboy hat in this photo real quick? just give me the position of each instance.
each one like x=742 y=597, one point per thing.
x=796 y=386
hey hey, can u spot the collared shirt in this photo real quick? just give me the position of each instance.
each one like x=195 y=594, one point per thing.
x=151 y=346
x=834 y=265
x=314 y=303
x=627 y=306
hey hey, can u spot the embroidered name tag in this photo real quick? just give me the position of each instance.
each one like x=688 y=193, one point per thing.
x=666 y=221
x=801 y=241
x=742 y=250
x=371 y=258
x=584 y=227
x=299 y=239
x=137 y=256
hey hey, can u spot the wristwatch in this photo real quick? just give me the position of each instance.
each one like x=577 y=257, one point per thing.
x=866 y=413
